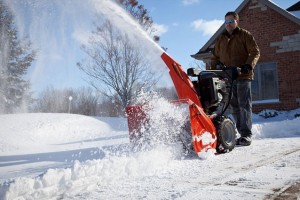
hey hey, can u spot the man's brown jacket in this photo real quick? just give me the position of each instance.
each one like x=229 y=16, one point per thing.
x=236 y=50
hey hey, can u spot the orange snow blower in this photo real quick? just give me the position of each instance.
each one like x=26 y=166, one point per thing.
x=207 y=98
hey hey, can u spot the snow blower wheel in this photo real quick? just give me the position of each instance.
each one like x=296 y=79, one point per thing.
x=226 y=132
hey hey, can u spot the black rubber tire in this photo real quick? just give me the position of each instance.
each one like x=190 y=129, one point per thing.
x=226 y=133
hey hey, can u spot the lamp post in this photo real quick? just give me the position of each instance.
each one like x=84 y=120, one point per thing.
x=70 y=99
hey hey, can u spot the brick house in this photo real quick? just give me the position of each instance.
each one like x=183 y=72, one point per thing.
x=277 y=33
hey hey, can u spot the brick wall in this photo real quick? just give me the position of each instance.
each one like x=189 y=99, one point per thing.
x=279 y=41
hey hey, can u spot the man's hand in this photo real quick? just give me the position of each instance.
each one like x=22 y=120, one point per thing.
x=246 y=69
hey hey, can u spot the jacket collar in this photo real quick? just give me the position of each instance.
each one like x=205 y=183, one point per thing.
x=235 y=31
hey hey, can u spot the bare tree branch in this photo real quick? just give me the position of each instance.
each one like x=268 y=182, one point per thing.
x=114 y=65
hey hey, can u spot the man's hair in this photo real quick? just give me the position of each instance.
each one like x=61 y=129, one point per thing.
x=234 y=14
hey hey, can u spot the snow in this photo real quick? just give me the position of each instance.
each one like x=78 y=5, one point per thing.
x=66 y=156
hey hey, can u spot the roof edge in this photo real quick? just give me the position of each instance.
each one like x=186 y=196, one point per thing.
x=282 y=11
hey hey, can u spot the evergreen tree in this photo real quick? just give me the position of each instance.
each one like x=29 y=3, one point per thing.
x=15 y=59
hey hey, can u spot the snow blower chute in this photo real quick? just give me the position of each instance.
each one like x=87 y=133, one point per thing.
x=207 y=98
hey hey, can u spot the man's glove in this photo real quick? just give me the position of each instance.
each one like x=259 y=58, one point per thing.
x=246 y=69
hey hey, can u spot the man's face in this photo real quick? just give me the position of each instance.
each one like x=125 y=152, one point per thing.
x=230 y=23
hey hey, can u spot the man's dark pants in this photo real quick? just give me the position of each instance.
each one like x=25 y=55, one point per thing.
x=241 y=106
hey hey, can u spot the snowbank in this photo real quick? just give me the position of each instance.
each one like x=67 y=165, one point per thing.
x=44 y=132
x=65 y=156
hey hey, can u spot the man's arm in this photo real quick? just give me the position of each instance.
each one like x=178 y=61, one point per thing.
x=253 y=50
x=215 y=56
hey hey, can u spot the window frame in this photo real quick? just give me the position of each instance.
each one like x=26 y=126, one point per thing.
x=258 y=74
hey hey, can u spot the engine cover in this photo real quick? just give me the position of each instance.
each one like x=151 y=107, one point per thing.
x=208 y=89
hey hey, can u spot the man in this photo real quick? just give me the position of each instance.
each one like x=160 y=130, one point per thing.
x=237 y=47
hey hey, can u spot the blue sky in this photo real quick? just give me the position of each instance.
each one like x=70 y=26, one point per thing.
x=57 y=28
x=186 y=25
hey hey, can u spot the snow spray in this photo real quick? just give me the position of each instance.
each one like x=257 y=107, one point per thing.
x=164 y=123
x=57 y=30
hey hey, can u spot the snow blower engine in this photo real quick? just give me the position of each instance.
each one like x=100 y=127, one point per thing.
x=207 y=95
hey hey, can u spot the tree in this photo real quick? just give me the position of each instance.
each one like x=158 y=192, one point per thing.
x=15 y=59
x=141 y=14
x=84 y=101
x=167 y=92
x=53 y=101
x=197 y=64
x=115 y=66
x=109 y=108
x=138 y=12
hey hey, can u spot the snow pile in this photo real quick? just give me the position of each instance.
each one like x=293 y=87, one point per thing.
x=287 y=128
x=274 y=115
x=276 y=124
x=117 y=172
x=42 y=132
x=91 y=174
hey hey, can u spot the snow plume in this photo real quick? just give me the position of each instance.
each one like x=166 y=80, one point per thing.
x=129 y=26
x=58 y=28
x=164 y=122
x=168 y=123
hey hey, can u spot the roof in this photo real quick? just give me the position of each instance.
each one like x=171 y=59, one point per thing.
x=267 y=3
x=294 y=7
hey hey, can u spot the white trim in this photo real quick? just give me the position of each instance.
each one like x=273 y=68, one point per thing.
x=266 y=101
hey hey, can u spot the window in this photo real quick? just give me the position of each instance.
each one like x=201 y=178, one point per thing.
x=265 y=84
